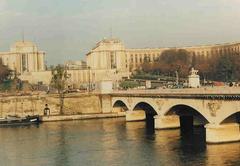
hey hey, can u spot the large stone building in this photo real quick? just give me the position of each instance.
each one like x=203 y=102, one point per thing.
x=112 y=54
x=75 y=65
x=108 y=60
x=24 y=57
x=108 y=54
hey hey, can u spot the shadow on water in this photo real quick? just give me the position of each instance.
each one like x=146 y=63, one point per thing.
x=21 y=126
x=193 y=138
x=61 y=152
x=149 y=124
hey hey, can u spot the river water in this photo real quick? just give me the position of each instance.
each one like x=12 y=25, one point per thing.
x=109 y=142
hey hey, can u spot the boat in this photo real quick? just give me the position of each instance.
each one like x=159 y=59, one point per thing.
x=18 y=121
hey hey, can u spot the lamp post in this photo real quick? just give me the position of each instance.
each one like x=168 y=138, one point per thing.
x=89 y=86
x=177 y=78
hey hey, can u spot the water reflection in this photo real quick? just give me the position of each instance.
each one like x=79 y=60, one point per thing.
x=223 y=154
x=61 y=148
x=110 y=142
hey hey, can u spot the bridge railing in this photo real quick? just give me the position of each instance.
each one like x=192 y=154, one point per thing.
x=202 y=90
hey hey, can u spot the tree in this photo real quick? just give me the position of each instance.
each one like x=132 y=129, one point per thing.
x=224 y=68
x=236 y=68
x=59 y=80
x=169 y=62
x=5 y=72
x=128 y=84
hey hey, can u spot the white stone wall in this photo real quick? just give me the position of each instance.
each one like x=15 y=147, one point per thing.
x=35 y=77
x=34 y=105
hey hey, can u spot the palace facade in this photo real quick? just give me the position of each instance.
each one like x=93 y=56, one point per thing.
x=24 y=56
x=108 y=60
x=112 y=54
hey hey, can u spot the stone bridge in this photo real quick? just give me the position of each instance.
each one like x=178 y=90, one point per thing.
x=218 y=111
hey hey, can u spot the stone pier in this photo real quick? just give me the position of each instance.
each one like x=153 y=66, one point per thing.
x=223 y=133
x=166 y=122
x=135 y=116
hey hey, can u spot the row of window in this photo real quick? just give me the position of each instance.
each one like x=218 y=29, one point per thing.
x=139 y=58
x=218 y=51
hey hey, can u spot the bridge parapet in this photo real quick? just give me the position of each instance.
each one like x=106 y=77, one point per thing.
x=185 y=91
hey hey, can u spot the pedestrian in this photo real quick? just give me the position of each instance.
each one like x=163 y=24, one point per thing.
x=46 y=110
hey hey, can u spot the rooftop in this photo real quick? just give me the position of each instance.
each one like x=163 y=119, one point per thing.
x=23 y=44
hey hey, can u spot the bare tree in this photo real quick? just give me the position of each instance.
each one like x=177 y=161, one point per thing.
x=59 y=81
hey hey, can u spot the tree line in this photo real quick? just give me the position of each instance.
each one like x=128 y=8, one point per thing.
x=224 y=67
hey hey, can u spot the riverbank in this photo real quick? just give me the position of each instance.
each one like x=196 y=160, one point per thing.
x=74 y=104
x=52 y=118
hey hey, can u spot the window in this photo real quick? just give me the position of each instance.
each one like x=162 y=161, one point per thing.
x=113 y=64
x=221 y=52
x=24 y=62
x=131 y=58
x=136 y=58
x=145 y=56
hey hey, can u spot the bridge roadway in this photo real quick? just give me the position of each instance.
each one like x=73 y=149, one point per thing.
x=218 y=109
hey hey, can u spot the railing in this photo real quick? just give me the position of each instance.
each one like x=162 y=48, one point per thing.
x=189 y=91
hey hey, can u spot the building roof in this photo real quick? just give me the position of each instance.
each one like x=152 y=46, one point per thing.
x=24 y=44
x=116 y=44
x=107 y=45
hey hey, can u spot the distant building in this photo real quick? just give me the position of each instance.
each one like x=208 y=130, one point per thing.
x=108 y=54
x=23 y=57
x=75 y=65
x=112 y=54
x=108 y=60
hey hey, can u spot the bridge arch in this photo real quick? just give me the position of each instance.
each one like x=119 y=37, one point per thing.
x=188 y=117
x=119 y=106
x=146 y=101
x=188 y=105
x=186 y=110
x=149 y=112
x=231 y=118
x=148 y=108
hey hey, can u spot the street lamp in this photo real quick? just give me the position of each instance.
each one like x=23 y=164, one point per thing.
x=177 y=78
x=89 y=86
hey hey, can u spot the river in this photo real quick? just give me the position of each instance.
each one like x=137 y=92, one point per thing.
x=109 y=142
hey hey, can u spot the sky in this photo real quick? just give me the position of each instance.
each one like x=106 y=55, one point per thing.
x=68 y=29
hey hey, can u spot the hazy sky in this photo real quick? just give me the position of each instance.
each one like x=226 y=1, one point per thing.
x=67 y=29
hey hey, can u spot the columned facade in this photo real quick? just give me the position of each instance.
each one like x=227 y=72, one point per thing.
x=24 y=57
x=108 y=54
x=112 y=54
